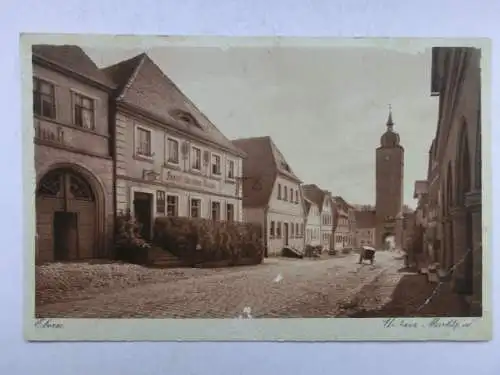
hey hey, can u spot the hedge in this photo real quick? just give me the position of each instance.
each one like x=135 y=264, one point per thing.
x=202 y=241
x=129 y=246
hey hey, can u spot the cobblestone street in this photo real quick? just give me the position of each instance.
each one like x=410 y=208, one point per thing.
x=278 y=288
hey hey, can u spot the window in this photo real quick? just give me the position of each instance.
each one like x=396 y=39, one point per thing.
x=216 y=211
x=297 y=229
x=230 y=169
x=172 y=205
x=144 y=142
x=297 y=196
x=291 y=230
x=285 y=194
x=229 y=212
x=272 y=229
x=160 y=202
x=279 y=191
x=44 y=101
x=196 y=161
x=302 y=229
x=173 y=151
x=83 y=111
x=195 y=209
x=291 y=195
x=216 y=170
x=278 y=230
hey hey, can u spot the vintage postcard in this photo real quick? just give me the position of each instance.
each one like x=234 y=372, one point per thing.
x=191 y=188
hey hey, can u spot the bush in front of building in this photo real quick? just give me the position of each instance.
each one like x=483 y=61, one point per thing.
x=204 y=242
x=129 y=245
x=346 y=250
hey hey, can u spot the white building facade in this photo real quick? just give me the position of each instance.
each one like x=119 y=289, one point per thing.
x=272 y=196
x=286 y=216
x=342 y=230
x=170 y=159
x=326 y=222
x=313 y=224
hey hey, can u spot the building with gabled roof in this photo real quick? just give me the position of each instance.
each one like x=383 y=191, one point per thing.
x=272 y=195
x=170 y=158
x=313 y=223
x=323 y=200
x=341 y=227
x=73 y=161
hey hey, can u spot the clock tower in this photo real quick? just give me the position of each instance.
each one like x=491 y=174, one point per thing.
x=389 y=187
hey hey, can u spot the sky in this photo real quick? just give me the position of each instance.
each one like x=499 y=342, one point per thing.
x=324 y=107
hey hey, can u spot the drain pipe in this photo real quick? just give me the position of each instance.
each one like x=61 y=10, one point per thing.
x=264 y=228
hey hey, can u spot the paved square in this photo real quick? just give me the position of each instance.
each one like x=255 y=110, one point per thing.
x=277 y=288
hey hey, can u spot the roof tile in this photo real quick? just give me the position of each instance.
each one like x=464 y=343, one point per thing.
x=142 y=84
x=260 y=168
x=74 y=59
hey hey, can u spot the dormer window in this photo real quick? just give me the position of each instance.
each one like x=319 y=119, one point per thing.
x=184 y=117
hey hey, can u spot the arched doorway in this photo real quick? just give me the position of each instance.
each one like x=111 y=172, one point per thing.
x=65 y=216
x=388 y=241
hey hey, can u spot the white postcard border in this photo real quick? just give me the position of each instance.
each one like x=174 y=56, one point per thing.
x=287 y=329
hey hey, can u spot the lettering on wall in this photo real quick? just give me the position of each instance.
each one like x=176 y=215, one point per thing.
x=150 y=175
x=47 y=133
x=188 y=180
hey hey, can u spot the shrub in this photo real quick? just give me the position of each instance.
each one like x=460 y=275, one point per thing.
x=129 y=244
x=199 y=241
x=346 y=250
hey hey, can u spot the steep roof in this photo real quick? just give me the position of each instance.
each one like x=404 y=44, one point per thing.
x=260 y=168
x=143 y=85
x=315 y=194
x=342 y=202
x=365 y=219
x=307 y=205
x=74 y=59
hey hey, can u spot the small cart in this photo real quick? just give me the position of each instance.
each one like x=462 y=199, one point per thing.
x=367 y=253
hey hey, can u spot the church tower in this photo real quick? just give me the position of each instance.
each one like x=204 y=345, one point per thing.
x=389 y=187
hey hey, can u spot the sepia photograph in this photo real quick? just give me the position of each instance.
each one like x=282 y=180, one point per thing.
x=243 y=180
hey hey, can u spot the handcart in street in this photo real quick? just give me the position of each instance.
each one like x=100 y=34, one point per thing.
x=367 y=253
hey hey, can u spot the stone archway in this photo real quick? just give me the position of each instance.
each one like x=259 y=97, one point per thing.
x=388 y=240
x=69 y=214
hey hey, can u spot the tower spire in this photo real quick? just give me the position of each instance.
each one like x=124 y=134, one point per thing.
x=390 y=123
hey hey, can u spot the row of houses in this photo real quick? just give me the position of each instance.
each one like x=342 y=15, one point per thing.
x=125 y=138
x=448 y=219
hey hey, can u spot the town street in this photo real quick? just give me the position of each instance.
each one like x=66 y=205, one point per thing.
x=278 y=288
